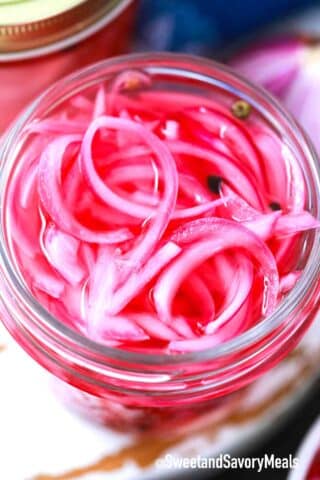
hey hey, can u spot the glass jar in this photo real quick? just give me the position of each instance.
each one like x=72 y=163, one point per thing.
x=141 y=392
x=41 y=42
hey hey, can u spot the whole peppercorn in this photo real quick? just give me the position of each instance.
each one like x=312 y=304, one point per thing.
x=241 y=109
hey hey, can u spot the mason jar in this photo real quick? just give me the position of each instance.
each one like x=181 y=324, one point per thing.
x=41 y=42
x=135 y=391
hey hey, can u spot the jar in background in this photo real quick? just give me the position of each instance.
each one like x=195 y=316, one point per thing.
x=157 y=392
x=41 y=42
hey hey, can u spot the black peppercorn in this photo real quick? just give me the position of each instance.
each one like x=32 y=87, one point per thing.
x=214 y=183
x=275 y=206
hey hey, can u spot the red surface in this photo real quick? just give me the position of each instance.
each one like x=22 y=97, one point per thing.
x=314 y=472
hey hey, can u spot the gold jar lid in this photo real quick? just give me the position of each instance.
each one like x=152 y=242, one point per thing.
x=33 y=24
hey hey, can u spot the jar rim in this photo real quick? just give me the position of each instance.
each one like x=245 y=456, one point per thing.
x=176 y=63
x=66 y=30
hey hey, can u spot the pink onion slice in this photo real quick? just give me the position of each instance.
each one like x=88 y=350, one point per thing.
x=70 y=186
x=138 y=280
x=287 y=282
x=270 y=147
x=224 y=165
x=100 y=103
x=295 y=222
x=155 y=329
x=236 y=323
x=146 y=208
x=219 y=235
x=236 y=208
x=98 y=185
x=28 y=187
x=49 y=284
x=49 y=180
x=88 y=256
x=181 y=325
x=81 y=103
x=237 y=295
x=194 y=344
x=103 y=278
x=159 y=222
x=61 y=250
x=277 y=224
x=188 y=184
x=199 y=293
x=185 y=213
x=119 y=328
x=231 y=132
x=264 y=225
x=143 y=198
x=57 y=127
x=296 y=184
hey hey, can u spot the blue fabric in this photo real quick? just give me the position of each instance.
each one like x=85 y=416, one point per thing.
x=200 y=25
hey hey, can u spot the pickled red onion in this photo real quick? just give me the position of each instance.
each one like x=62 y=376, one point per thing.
x=205 y=238
x=161 y=217
x=224 y=165
x=160 y=227
x=49 y=179
x=138 y=280
x=239 y=292
x=61 y=250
